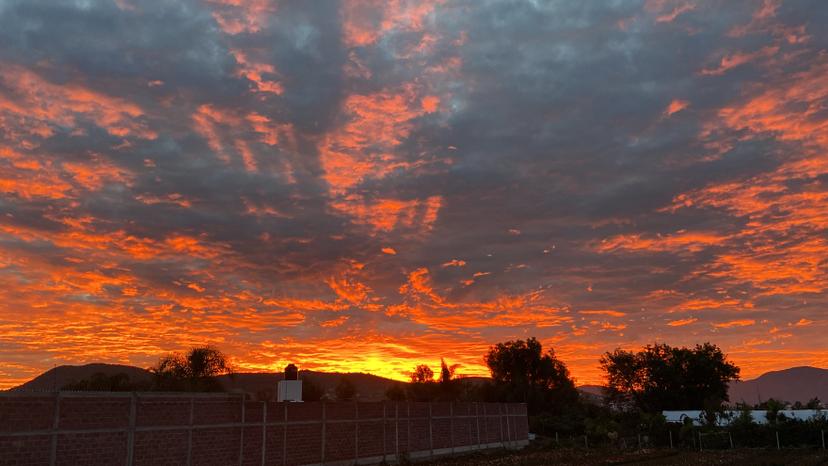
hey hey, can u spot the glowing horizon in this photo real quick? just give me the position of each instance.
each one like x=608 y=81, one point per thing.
x=366 y=185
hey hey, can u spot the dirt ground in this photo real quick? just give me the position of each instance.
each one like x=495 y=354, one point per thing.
x=580 y=457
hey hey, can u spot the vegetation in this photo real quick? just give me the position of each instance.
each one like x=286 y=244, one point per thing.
x=661 y=377
x=195 y=371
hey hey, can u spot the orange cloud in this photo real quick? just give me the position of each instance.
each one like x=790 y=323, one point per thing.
x=34 y=105
x=682 y=322
x=238 y=16
x=604 y=312
x=728 y=62
x=253 y=72
x=735 y=323
x=396 y=15
x=668 y=10
x=454 y=263
x=677 y=242
x=676 y=105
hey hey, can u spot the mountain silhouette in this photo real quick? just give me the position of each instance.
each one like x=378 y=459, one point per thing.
x=794 y=384
x=61 y=375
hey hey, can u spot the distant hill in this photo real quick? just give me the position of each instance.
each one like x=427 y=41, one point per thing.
x=62 y=375
x=794 y=384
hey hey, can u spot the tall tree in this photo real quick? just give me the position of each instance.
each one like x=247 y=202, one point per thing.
x=446 y=373
x=521 y=371
x=662 y=377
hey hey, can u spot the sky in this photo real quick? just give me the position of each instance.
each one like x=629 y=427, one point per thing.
x=369 y=185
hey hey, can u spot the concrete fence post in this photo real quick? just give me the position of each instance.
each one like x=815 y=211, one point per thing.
x=486 y=423
x=356 y=429
x=430 y=431
x=384 y=432
x=477 y=421
x=778 y=446
x=131 y=431
x=264 y=432
x=284 y=434
x=502 y=438
x=451 y=425
x=241 y=434
x=508 y=427
x=670 y=433
x=396 y=431
x=323 y=432
x=823 y=438
x=408 y=426
x=55 y=425
x=190 y=432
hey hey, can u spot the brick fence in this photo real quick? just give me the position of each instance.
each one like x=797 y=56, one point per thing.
x=89 y=428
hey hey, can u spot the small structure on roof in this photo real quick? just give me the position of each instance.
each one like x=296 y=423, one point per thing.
x=290 y=389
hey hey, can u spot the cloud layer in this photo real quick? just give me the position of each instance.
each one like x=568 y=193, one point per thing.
x=367 y=185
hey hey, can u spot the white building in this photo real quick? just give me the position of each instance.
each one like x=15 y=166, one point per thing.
x=759 y=415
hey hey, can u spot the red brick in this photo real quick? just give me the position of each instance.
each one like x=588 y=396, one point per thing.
x=26 y=413
x=101 y=448
x=93 y=412
x=161 y=448
x=31 y=450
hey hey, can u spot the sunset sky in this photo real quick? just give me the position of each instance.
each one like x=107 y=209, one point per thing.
x=372 y=184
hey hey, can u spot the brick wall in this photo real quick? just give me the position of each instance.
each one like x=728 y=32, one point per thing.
x=76 y=428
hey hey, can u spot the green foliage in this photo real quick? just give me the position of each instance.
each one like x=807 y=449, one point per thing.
x=662 y=377
x=195 y=371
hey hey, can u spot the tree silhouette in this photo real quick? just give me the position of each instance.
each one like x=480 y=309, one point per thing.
x=522 y=372
x=195 y=371
x=446 y=373
x=422 y=386
x=422 y=374
x=662 y=377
